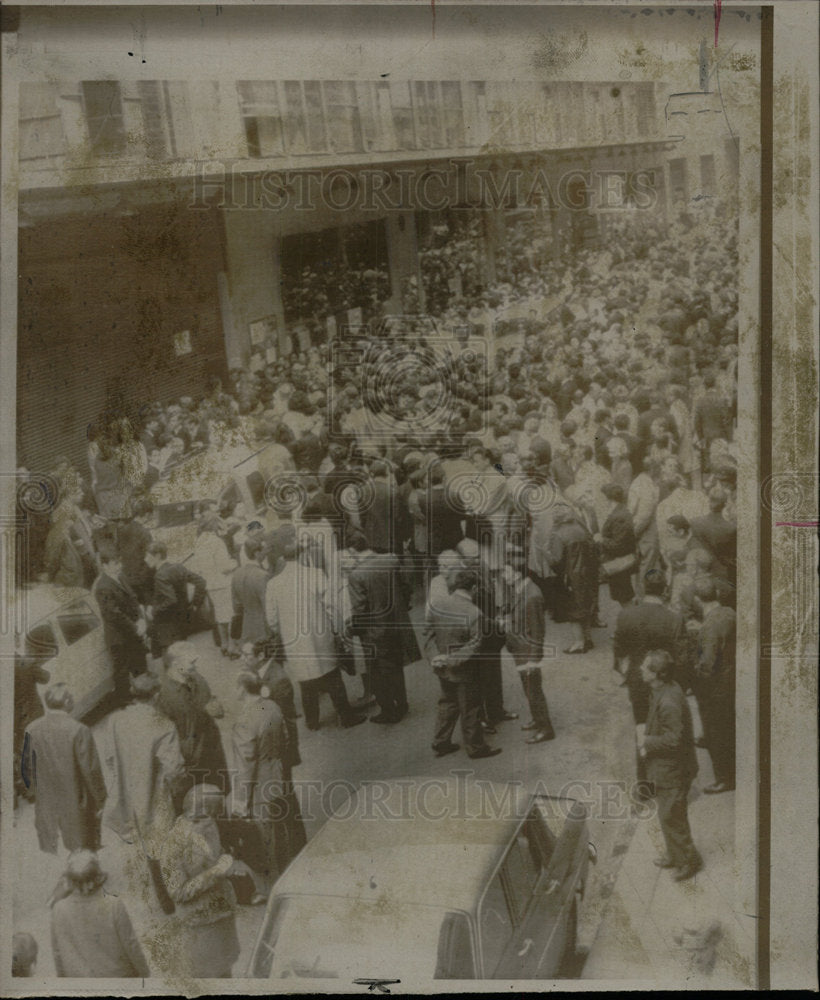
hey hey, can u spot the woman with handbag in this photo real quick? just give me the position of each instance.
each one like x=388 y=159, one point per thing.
x=618 y=545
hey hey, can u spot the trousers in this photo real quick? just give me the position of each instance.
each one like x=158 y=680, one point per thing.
x=459 y=699
x=331 y=684
x=674 y=819
x=534 y=690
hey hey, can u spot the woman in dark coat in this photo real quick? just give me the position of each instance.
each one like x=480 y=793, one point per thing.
x=573 y=557
x=617 y=540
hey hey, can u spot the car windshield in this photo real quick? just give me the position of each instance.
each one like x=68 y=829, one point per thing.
x=339 y=938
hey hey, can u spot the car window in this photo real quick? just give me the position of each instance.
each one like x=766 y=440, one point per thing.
x=41 y=642
x=540 y=840
x=76 y=621
x=455 y=949
x=495 y=925
x=521 y=874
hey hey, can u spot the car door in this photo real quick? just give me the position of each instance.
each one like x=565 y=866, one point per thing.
x=84 y=664
x=534 y=909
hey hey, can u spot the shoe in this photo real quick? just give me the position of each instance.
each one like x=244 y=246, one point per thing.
x=363 y=702
x=383 y=719
x=575 y=649
x=257 y=899
x=529 y=727
x=485 y=752
x=717 y=788
x=700 y=743
x=446 y=748
x=540 y=737
x=588 y=645
x=488 y=728
x=507 y=716
x=664 y=862
x=353 y=720
x=313 y=726
x=234 y=656
x=598 y=623
x=691 y=869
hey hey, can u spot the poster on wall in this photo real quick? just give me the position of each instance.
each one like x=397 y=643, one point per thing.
x=263 y=331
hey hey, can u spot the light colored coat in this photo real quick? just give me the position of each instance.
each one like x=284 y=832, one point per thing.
x=145 y=756
x=298 y=608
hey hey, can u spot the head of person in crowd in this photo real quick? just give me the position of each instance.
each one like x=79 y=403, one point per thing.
x=514 y=568
x=253 y=548
x=447 y=561
x=156 y=555
x=462 y=578
x=249 y=685
x=657 y=668
x=717 y=500
x=58 y=698
x=109 y=559
x=83 y=872
x=614 y=493
x=180 y=660
x=144 y=687
x=654 y=583
x=23 y=954
x=679 y=526
x=281 y=546
x=706 y=591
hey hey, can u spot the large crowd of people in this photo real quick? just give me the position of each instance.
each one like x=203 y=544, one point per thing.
x=428 y=501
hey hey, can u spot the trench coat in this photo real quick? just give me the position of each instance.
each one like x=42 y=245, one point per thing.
x=60 y=759
x=147 y=762
x=299 y=611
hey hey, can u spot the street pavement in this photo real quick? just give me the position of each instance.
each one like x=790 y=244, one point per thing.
x=633 y=913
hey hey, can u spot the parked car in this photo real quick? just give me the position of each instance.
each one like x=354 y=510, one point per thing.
x=64 y=631
x=480 y=881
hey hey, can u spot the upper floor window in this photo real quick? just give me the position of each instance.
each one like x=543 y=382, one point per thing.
x=262 y=117
x=41 y=127
x=102 y=106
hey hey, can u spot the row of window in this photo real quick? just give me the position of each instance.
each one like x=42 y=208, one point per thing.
x=297 y=117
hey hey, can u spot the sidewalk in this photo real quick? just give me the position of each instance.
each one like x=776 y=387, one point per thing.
x=678 y=934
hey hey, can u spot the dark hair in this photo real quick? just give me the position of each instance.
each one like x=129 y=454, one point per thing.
x=462 y=579
x=107 y=552
x=654 y=583
x=159 y=549
x=660 y=663
x=613 y=491
x=249 y=681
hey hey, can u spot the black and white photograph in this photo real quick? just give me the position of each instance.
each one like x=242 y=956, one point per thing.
x=410 y=498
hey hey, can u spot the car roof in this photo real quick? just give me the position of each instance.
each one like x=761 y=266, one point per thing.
x=425 y=840
x=45 y=599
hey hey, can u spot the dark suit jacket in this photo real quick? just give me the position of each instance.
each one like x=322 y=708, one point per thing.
x=617 y=534
x=643 y=627
x=380 y=521
x=120 y=611
x=719 y=537
x=379 y=615
x=443 y=519
x=525 y=628
x=280 y=691
x=713 y=418
x=248 y=585
x=172 y=609
x=669 y=741
x=453 y=627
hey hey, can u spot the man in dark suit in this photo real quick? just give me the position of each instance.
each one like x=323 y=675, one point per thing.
x=640 y=628
x=60 y=762
x=717 y=536
x=441 y=513
x=124 y=624
x=452 y=640
x=667 y=747
x=381 y=519
x=172 y=609
x=712 y=418
x=524 y=632
x=248 y=585
x=715 y=684
x=380 y=619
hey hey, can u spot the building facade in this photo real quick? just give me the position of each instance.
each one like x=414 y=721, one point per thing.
x=171 y=230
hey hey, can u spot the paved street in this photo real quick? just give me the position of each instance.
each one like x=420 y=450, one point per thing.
x=591 y=758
